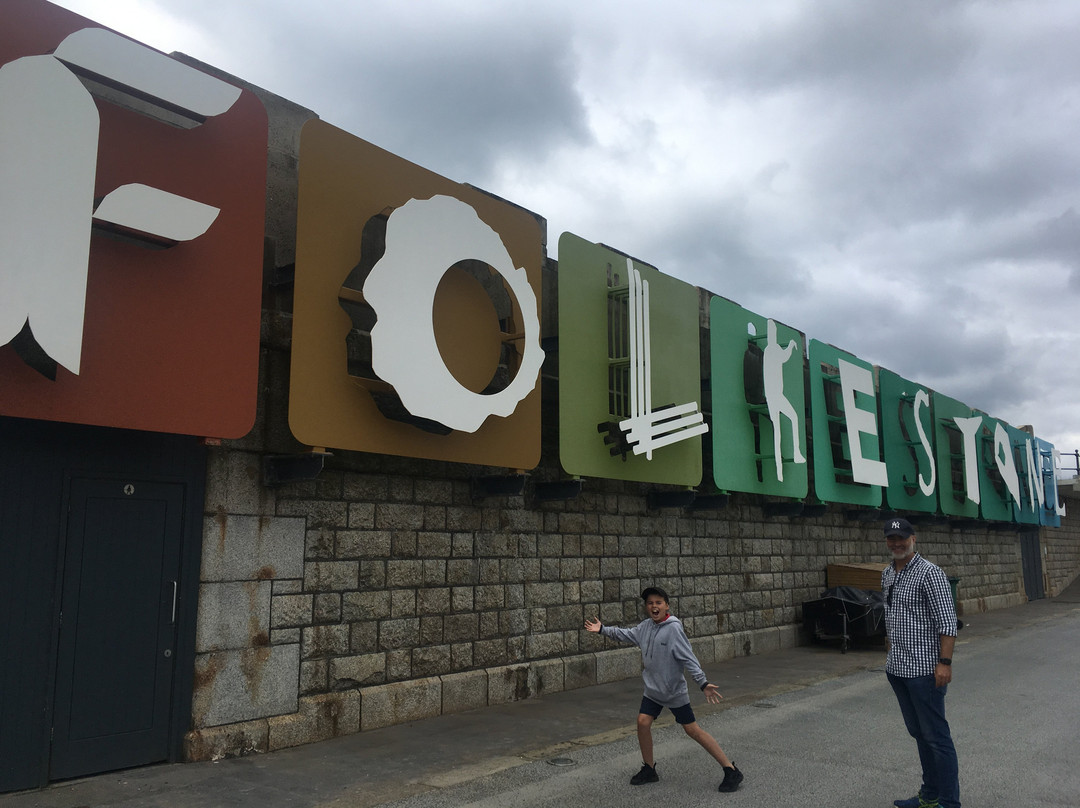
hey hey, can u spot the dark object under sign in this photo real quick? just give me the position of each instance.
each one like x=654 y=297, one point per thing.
x=845 y=613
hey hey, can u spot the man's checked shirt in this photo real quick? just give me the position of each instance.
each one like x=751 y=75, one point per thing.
x=919 y=608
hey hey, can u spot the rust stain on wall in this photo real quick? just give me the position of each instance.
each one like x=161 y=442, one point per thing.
x=252 y=664
x=206 y=671
x=258 y=635
x=330 y=712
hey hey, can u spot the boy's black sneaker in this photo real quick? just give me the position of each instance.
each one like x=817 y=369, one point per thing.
x=732 y=778
x=646 y=775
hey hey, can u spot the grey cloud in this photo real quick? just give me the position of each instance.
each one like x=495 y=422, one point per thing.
x=886 y=177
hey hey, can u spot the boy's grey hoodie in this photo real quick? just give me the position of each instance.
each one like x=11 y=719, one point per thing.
x=665 y=653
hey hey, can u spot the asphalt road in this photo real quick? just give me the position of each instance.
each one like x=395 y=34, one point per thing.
x=1013 y=706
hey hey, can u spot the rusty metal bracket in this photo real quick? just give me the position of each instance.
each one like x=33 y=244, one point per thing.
x=292 y=468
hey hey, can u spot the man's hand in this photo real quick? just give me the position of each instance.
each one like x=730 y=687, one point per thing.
x=593 y=624
x=712 y=693
x=942 y=675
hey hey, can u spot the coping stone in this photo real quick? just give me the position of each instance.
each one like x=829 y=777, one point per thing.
x=399 y=702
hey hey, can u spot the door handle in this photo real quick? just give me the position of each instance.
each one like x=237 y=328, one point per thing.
x=174 y=602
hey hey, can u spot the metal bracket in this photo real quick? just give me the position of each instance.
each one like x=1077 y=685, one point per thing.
x=669 y=499
x=292 y=468
x=557 y=490
x=865 y=515
x=771 y=510
x=497 y=485
x=709 y=502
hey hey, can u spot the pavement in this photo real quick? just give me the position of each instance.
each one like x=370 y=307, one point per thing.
x=384 y=766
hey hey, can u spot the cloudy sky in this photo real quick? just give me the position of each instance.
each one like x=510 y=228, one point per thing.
x=901 y=180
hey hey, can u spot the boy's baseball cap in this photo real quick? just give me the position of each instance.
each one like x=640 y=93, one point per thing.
x=899 y=527
x=654 y=590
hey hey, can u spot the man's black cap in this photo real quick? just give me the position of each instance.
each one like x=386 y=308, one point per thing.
x=899 y=527
x=655 y=590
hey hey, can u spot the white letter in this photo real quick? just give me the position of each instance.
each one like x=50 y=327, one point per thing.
x=1006 y=463
x=856 y=379
x=969 y=428
x=48 y=161
x=1036 y=492
x=1059 y=506
x=922 y=399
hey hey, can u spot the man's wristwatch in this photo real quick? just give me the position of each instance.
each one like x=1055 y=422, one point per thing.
x=944 y=660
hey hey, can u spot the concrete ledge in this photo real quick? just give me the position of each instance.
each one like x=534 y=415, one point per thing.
x=704 y=649
x=320 y=717
x=547 y=676
x=744 y=643
x=579 y=671
x=613 y=666
x=399 y=702
x=231 y=740
x=508 y=683
x=765 y=640
x=991 y=603
x=464 y=691
x=790 y=635
x=724 y=646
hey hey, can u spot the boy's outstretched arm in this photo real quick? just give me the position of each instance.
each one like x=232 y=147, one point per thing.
x=594 y=625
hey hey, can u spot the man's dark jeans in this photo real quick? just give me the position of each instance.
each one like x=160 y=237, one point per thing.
x=923 y=707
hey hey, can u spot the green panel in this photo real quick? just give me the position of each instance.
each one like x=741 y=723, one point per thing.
x=834 y=480
x=949 y=447
x=909 y=457
x=593 y=289
x=1026 y=511
x=997 y=502
x=744 y=447
x=1048 y=514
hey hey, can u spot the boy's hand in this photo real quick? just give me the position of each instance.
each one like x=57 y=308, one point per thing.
x=593 y=624
x=712 y=693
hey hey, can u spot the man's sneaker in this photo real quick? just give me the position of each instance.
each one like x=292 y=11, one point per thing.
x=646 y=775
x=916 y=802
x=732 y=778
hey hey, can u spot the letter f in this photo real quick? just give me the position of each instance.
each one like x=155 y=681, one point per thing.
x=48 y=165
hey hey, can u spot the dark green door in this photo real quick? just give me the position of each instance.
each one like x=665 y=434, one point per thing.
x=1031 y=561
x=117 y=640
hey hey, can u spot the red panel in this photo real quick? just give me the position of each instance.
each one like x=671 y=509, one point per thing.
x=171 y=336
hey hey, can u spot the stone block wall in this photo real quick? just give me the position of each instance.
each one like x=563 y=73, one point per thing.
x=1061 y=546
x=382 y=592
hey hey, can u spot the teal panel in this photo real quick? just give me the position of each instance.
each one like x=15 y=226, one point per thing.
x=949 y=448
x=1026 y=510
x=997 y=502
x=594 y=389
x=907 y=436
x=749 y=352
x=1048 y=514
x=834 y=479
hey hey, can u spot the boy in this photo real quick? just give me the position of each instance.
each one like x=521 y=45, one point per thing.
x=665 y=653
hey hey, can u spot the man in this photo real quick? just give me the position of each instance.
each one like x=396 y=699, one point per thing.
x=920 y=619
x=665 y=654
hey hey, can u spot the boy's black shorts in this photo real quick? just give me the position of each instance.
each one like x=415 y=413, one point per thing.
x=683 y=715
